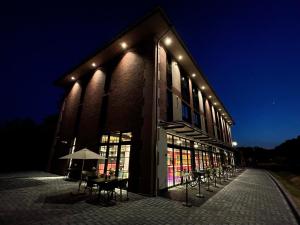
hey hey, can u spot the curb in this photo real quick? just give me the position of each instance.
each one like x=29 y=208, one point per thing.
x=287 y=196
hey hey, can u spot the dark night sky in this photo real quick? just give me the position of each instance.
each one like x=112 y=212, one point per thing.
x=249 y=51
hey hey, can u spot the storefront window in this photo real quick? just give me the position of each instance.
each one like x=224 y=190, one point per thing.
x=116 y=148
x=112 y=159
x=170 y=164
x=101 y=161
x=169 y=139
x=177 y=166
x=124 y=161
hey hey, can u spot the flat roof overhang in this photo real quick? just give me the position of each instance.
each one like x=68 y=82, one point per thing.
x=185 y=130
x=158 y=26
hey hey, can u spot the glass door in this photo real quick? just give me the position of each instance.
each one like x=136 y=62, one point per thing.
x=177 y=166
x=170 y=167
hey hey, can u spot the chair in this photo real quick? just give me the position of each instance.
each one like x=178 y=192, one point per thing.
x=90 y=185
x=109 y=187
x=122 y=185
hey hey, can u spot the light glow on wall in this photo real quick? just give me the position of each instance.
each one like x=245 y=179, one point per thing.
x=124 y=45
x=168 y=41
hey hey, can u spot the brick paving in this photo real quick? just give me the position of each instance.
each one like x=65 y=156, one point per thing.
x=42 y=198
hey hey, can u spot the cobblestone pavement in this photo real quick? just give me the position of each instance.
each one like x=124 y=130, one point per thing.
x=42 y=198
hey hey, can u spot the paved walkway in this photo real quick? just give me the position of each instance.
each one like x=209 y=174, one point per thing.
x=41 y=198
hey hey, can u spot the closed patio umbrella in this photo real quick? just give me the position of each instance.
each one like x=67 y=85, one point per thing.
x=83 y=154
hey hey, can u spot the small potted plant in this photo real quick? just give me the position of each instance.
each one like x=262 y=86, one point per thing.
x=111 y=173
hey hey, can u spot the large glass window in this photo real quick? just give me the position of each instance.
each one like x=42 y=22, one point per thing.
x=186 y=161
x=186 y=112
x=116 y=148
x=124 y=161
x=170 y=165
x=177 y=166
x=112 y=159
x=185 y=92
x=195 y=98
x=101 y=165
x=197 y=121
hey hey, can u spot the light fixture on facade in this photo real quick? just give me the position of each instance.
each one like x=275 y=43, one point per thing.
x=223 y=114
x=196 y=146
x=124 y=45
x=220 y=109
x=73 y=78
x=215 y=103
x=168 y=41
x=94 y=64
x=234 y=144
x=180 y=57
x=209 y=96
x=193 y=75
x=178 y=142
x=202 y=87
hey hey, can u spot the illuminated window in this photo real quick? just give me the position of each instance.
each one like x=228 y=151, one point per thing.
x=169 y=139
x=124 y=161
x=112 y=159
x=114 y=138
x=104 y=139
x=126 y=136
x=116 y=148
x=101 y=161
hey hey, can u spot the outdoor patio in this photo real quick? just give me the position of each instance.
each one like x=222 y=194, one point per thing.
x=42 y=198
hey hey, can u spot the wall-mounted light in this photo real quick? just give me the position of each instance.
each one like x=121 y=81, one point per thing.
x=180 y=57
x=209 y=96
x=94 y=64
x=196 y=146
x=193 y=75
x=234 y=144
x=168 y=41
x=124 y=45
x=73 y=78
x=202 y=87
x=215 y=103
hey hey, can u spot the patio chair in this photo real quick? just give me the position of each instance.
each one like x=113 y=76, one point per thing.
x=123 y=185
x=109 y=187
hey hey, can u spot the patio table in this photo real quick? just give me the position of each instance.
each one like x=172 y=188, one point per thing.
x=106 y=184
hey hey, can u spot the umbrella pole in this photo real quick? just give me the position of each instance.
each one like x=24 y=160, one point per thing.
x=81 y=175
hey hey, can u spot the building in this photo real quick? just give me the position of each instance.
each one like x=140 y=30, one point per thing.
x=143 y=102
